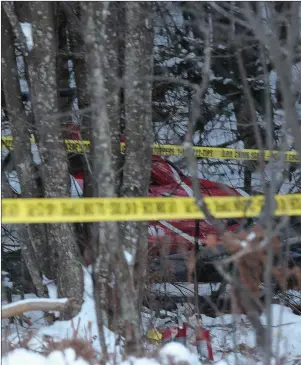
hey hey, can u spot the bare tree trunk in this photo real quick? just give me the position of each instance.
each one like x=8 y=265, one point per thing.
x=103 y=181
x=246 y=133
x=22 y=11
x=54 y=167
x=112 y=86
x=138 y=97
x=34 y=236
x=138 y=128
x=79 y=60
x=107 y=250
x=64 y=103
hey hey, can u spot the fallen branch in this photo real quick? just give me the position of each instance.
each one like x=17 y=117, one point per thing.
x=27 y=305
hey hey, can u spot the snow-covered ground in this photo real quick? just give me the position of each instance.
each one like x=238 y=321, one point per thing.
x=85 y=323
x=174 y=353
x=286 y=336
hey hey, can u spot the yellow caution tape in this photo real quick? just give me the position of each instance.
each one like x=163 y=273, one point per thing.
x=52 y=210
x=171 y=150
x=224 y=153
x=71 y=145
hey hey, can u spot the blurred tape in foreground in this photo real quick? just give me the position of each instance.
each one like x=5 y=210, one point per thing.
x=52 y=210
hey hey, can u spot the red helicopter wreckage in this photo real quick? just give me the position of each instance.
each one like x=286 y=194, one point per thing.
x=168 y=180
x=181 y=236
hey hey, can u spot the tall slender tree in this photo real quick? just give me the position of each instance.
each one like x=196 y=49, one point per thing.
x=54 y=167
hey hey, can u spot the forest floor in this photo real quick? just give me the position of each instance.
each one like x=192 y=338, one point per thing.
x=232 y=337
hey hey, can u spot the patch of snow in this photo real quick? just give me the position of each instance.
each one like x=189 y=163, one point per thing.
x=13 y=181
x=129 y=257
x=7 y=283
x=52 y=291
x=76 y=190
x=24 y=85
x=191 y=55
x=140 y=361
x=173 y=61
x=227 y=81
x=179 y=354
x=286 y=331
x=37 y=300
x=27 y=31
x=34 y=300
x=23 y=356
x=175 y=351
x=242 y=192
x=35 y=153
x=64 y=329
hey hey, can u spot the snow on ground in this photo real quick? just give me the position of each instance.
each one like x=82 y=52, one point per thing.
x=286 y=342
x=286 y=333
x=23 y=356
x=65 y=329
x=5 y=280
x=172 y=351
x=178 y=353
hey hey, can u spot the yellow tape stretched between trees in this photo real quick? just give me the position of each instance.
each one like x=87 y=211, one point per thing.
x=171 y=150
x=52 y=210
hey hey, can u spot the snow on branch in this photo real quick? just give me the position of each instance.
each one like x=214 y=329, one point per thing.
x=41 y=304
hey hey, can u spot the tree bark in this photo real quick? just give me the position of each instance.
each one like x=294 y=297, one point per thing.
x=138 y=108
x=112 y=84
x=246 y=134
x=54 y=167
x=79 y=60
x=64 y=103
x=138 y=130
x=102 y=173
x=107 y=250
x=33 y=237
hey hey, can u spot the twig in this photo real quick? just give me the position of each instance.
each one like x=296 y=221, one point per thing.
x=251 y=249
x=282 y=66
x=252 y=109
x=188 y=150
